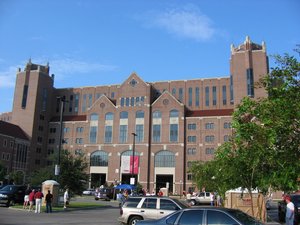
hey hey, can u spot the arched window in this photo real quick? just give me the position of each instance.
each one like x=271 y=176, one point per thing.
x=109 y=116
x=174 y=113
x=123 y=115
x=99 y=158
x=157 y=114
x=164 y=159
x=94 y=116
x=139 y=114
x=130 y=153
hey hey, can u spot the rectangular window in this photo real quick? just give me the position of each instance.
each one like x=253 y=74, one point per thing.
x=250 y=83
x=71 y=103
x=191 y=151
x=192 y=139
x=231 y=89
x=132 y=101
x=139 y=129
x=123 y=134
x=122 y=101
x=206 y=96
x=209 y=126
x=112 y=95
x=83 y=103
x=197 y=97
x=224 y=95
x=180 y=94
x=156 y=133
x=191 y=126
x=173 y=132
x=209 y=138
x=214 y=90
x=108 y=134
x=90 y=100
x=76 y=105
x=93 y=134
x=127 y=101
x=190 y=96
x=209 y=151
x=24 y=97
x=174 y=91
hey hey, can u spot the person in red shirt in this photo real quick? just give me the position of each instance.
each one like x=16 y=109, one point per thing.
x=38 y=201
x=31 y=200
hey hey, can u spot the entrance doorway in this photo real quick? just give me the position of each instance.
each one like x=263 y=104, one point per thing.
x=98 y=179
x=125 y=179
x=161 y=181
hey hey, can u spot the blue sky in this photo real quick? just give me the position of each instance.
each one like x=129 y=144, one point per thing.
x=97 y=42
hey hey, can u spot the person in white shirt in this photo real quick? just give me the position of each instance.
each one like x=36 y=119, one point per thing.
x=290 y=211
x=66 y=198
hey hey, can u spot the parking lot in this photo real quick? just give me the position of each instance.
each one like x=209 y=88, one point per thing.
x=106 y=215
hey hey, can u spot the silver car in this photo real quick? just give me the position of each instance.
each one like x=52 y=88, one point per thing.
x=148 y=207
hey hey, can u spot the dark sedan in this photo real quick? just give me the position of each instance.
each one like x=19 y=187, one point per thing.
x=11 y=194
x=205 y=216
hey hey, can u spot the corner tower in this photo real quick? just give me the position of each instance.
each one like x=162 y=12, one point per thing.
x=248 y=63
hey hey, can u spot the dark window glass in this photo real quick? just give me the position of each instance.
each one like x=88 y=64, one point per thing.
x=168 y=205
x=217 y=217
x=191 y=217
x=149 y=203
x=171 y=220
x=24 y=98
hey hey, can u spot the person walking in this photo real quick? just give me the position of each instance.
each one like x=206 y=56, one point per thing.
x=49 y=198
x=290 y=211
x=66 y=198
x=38 y=201
x=212 y=199
x=31 y=200
x=26 y=197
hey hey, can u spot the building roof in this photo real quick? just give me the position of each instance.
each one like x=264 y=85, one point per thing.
x=12 y=130
x=69 y=118
x=211 y=112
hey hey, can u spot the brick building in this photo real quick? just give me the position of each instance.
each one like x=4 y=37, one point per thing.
x=167 y=124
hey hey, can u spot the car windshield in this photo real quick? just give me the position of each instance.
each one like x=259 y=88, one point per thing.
x=245 y=218
x=8 y=188
x=183 y=205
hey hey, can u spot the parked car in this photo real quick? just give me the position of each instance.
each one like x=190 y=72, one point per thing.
x=200 y=198
x=295 y=198
x=148 y=207
x=11 y=194
x=205 y=216
x=104 y=193
x=88 y=192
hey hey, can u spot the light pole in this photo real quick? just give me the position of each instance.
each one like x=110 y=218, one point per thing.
x=133 y=154
x=62 y=104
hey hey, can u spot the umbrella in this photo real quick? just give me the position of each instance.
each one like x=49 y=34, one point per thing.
x=125 y=186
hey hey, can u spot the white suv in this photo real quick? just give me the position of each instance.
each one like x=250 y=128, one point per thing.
x=148 y=207
x=201 y=198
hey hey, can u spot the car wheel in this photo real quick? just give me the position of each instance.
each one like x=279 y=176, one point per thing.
x=11 y=203
x=193 y=202
x=134 y=219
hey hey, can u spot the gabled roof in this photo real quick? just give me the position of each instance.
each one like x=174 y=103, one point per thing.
x=12 y=130
x=69 y=118
x=210 y=112
x=169 y=95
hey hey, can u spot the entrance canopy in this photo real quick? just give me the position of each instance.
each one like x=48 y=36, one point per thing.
x=125 y=186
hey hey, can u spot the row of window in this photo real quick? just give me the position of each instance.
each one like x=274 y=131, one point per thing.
x=208 y=126
x=5 y=143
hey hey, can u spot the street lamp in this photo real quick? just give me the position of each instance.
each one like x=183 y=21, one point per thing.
x=62 y=104
x=132 y=165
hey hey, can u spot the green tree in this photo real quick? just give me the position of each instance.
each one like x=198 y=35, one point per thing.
x=72 y=173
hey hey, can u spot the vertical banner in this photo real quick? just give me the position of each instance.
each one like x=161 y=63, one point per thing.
x=126 y=164
x=135 y=164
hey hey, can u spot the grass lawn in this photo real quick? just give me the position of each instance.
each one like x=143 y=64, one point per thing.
x=73 y=206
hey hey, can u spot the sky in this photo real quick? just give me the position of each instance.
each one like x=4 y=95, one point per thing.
x=101 y=42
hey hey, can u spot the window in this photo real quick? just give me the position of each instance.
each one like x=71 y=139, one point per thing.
x=250 y=83
x=93 y=134
x=76 y=104
x=214 y=90
x=173 y=132
x=217 y=217
x=123 y=134
x=139 y=129
x=166 y=204
x=132 y=101
x=164 y=159
x=209 y=138
x=209 y=151
x=192 y=139
x=66 y=130
x=189 y=164
x=157 y=114
x=149 y=203
x=191 y=126
x=5 y=143
x=99 y=158
x=156 y=133
x=192 y=217
x=79 y=140
x=123 y=115
x=79 y=129
x=78 y=152
x=206 y=96
x=197 y=97
x=191 y=151
x=83 y=103
x=226 y=138
x=109 y=116
x=231 y=89
x=181 y=94
x=174 y=113
x=108 y=134
x=190 y=176
x=209 y=126
x=71 y=103
x=90 y=100
x=139 y=114
x=122 y=101
x=227 y=125
x=190 y=96
x=127 y=101
x=112 y=95
x=174 y=91
x=24 y=97
x=224 y=95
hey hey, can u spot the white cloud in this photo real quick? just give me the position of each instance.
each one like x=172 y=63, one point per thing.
x=187 y=22
x=8 y=77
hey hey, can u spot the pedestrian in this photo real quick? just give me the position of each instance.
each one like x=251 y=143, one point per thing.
x=66 y=198
x=212 y=199
x=31 y=200
x=120 y=199
x=49 y=198
x=38 y=201
x=26 y=197
x=188 y=197
x=290 y=211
